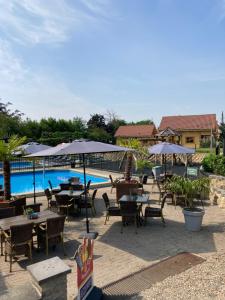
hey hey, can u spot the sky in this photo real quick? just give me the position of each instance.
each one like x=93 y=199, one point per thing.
x=141 y=59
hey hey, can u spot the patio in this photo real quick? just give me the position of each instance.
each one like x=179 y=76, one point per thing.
x=118 y=255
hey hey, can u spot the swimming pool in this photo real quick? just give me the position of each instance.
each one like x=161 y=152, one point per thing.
x=18 y=164
x=23 y=182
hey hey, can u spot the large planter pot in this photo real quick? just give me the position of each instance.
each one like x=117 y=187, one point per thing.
x=193 y=218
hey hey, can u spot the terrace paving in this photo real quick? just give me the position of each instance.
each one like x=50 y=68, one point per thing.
x=117 y=255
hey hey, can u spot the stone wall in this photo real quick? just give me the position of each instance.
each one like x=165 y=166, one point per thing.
x=217 y=190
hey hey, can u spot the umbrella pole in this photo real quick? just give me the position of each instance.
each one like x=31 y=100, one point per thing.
x=165 y=163
x=34 y=183
x=85 y=194
x=87 y=234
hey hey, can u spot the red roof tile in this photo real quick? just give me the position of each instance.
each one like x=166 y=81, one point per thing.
x=135 y=131
x=192 y=122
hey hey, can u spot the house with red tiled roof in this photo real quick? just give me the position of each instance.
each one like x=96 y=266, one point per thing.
x=144 y=133
x=191 y=130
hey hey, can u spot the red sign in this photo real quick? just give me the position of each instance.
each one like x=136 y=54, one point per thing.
x=84 y=259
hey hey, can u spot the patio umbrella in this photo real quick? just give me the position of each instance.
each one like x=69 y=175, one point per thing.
x=169 y=148
x=31 y=148
x=82 y=147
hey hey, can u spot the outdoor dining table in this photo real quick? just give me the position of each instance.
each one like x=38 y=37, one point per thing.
x=71 y=193
x=5 y=224
x=140 y=199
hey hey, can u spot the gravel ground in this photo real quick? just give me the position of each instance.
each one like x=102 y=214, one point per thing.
x=204 y=281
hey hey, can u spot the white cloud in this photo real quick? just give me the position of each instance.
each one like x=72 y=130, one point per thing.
x=37 y=94
x=10 y=66
x=52 y=21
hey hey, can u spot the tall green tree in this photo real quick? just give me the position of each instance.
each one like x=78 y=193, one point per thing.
x=9 y=119
x=7 y=150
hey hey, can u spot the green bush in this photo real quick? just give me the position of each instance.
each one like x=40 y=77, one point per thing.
x=215 y=164
x=143 y=164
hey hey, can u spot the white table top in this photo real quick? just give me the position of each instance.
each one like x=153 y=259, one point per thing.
x=143 y=199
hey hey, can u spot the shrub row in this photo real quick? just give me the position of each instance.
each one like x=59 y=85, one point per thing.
x=215 y=164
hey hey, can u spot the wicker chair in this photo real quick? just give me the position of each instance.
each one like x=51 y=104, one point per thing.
x=18 y=203
x=53 y=191
x=51 y=202
x=65 y=186
x=110 y=210
x=5 y=212
x=90 y=203
x=64 y=203
x=129 y=212
x=155 y=212
x=125 y=188
x=18 y=242
x=52 y=234
x=88 y=186
x=113 y=182
x=74 y=180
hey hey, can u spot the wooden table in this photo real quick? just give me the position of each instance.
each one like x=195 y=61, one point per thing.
x=141 y=199
x=18 y=220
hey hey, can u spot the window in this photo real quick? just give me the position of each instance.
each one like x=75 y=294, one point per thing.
x=190 y=140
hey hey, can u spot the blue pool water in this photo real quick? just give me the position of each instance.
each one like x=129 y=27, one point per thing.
x=23 y=182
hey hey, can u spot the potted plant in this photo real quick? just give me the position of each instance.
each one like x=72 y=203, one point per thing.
x=29 y=213
x=192 y=215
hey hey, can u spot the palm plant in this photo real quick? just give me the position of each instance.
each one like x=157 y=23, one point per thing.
x=7 y=150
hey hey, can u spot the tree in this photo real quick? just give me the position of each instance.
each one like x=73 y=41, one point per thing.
x=7 y=150
x=96 y=121
x=143 y=122
x=9 y=120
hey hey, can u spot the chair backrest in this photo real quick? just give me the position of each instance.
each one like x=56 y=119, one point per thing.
x=62 y=199
x=50 y=184
x=123 y=188
x=163 y=201
x=18 y=203
x=110 y=177
x=74 y=180
x=145 y=179
x=128 y=208
x=65 y=186
x=94 y=195
x=4 y=204
x=55 y=226
x=21 y=233
x=88 y=186
x=48 y=194
x=106 y=200
x=77 y=187
x=7 y=212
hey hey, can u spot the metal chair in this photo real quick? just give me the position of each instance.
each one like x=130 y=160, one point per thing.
x=18 y=242
x=110 y=210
